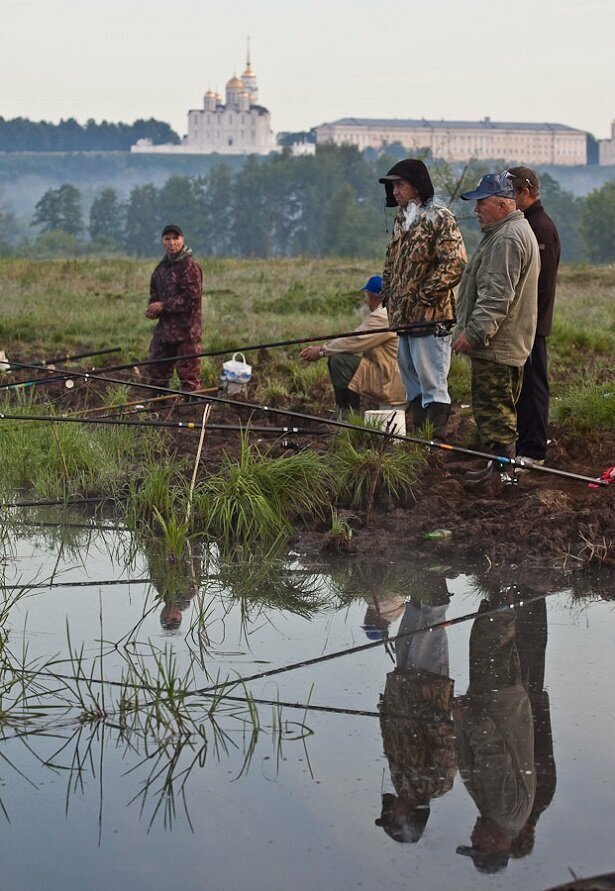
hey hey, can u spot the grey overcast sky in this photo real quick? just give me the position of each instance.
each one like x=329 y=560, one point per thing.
x=529 y=60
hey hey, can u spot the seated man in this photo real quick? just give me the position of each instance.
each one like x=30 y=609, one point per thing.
x=365 y=365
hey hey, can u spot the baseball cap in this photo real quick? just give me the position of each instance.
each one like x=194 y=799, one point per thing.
x=172 y=228
x=373 y=284
x=497 y=184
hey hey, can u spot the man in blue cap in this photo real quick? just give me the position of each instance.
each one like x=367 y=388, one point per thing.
x=496 y=318
x=365 y=365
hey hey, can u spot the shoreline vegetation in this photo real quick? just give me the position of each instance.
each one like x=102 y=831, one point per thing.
x=338 y=492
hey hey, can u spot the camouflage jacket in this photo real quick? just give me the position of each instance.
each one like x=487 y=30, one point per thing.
x=422 y=267
x=178 y=284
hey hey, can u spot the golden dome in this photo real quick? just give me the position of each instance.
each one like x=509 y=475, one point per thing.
x=210 y=94
x=248 y=72
x=234 y=84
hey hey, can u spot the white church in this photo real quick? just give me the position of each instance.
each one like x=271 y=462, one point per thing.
x=238 y=126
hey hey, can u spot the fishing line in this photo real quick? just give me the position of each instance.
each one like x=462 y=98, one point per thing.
x=374 y=431
x=317 y=660
x=440 y=329
x=183 y=425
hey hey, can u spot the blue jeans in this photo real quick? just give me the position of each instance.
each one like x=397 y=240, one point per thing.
x=424 y=363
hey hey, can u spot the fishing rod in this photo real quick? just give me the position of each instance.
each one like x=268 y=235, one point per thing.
x=137 y=402
x=47 y=364
x=72 y=357
x=56 y=502
x=349 y=651
x=440 y=328
x=372 y=644
x=374 y=431
x=184 y=425
x=81 y=584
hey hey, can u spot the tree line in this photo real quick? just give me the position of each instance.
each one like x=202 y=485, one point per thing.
x=329 y=204
x=23 y=135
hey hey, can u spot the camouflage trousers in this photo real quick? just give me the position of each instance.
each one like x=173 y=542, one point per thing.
x=495 y=392
x=188 y=370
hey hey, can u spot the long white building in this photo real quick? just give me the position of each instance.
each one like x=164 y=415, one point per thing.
x=484 y=140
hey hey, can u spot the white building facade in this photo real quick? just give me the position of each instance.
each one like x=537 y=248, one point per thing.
x=526 y=143
x=606 y=149
x=237 y=126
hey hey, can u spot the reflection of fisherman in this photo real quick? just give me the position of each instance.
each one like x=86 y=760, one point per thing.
x=177 y=582
x=531 y=639
x=380 y=612
x=495 y=740
x=417 y=730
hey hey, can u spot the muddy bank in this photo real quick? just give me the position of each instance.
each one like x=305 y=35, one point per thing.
x=544 y=520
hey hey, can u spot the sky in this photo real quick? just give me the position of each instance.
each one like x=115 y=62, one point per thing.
x=316 y=61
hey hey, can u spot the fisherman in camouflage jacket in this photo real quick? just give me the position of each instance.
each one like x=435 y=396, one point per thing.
x=176 y=289
x=425 y=260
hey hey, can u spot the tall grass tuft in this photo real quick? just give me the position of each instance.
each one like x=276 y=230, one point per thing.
x=255 y=497
x=362 y=470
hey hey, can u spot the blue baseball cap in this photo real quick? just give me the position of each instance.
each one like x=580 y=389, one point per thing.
x=497 y=184
x=373 y=285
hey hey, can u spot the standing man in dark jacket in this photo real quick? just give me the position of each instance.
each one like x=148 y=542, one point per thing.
x=533 y=405
x=176 y=290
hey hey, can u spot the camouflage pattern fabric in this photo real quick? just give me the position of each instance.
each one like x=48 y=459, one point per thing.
x=188 y=370
x=422 y=266
x=417 y=733
x=178 y=284
x=495 y=391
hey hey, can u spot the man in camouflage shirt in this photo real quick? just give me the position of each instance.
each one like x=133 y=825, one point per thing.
x=425 y=259
x=176 y=289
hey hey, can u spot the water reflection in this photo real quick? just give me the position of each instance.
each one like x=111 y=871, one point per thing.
x=415 y=715
x=503 y=729
x=119 y=736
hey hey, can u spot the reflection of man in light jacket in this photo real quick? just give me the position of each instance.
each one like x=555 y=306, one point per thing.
x=495 y=741
x=365 y=365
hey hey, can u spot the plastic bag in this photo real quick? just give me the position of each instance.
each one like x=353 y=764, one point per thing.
x=236 y=371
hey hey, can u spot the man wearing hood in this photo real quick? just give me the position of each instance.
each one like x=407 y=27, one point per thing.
x=176 y=289
x=425 y=259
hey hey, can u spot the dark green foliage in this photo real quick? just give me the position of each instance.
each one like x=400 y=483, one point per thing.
x=107 y=217
x=598 y=223
x=143 y=222
x=565 y=210
x=60 y=209
x=23 y=135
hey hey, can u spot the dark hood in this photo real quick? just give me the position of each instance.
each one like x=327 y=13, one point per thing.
x=414 y=172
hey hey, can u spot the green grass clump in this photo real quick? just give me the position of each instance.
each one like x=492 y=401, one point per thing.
x=364 y=470
x=587 y=407
x=54 y=460
x=255 y=497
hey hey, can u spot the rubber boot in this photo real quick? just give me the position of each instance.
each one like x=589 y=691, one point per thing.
x=346 y=401
x=494 y=475
x=437 y=414
x=418 y=413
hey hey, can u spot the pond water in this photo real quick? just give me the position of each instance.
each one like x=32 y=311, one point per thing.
x=475 y=750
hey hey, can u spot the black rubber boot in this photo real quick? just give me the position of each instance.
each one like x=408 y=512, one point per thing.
x=346 y=401
x=437 y=414
x=418 y=413
x=494 y=475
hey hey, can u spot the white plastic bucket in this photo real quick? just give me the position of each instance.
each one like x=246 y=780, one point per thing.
x=391 y=419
